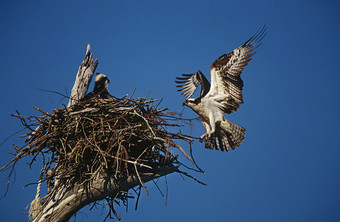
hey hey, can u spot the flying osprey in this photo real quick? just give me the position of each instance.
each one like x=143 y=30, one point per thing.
x=224 y=95
x=100 y=89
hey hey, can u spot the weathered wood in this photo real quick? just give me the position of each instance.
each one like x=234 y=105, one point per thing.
x=68 y=201
x=83 y=79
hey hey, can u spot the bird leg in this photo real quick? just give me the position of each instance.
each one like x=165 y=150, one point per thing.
x=208 y=132
x=209 y=127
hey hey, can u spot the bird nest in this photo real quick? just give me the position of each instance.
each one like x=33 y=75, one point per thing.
x=118 y=137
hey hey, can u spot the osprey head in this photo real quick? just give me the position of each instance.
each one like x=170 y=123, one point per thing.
x=100 y=89
x=101 y=80
x=100 y=86
x=191 y=102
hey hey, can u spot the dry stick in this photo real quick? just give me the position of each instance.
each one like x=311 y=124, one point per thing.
x=194 y=178
x=118 y=153
x=147 y=122
x=194 y=159
x=113 y=210
x=15 y=159
x=138 y=195
x=140 y=180
x=100 y=150
x=167 y=190
x=171 y=143
x=12 y=135
x=126 y=156
x=159 y=189
x=44 y=112
x=147 y=94
x=129 y=161
x=132 y=93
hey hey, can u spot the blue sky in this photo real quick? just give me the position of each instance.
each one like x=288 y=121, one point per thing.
x=288 y=167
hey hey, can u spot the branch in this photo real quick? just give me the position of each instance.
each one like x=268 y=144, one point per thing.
x=69 y=200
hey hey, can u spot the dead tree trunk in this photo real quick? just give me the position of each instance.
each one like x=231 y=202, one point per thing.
x=69 y=200
x=83 y=78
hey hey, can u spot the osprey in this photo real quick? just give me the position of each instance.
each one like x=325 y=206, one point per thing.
x=224 y=95
x=100 y=88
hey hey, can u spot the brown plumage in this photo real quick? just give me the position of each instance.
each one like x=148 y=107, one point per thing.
x=224 y=95
x=100 y=89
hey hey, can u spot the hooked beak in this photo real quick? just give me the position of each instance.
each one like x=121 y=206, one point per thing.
x=184 y=103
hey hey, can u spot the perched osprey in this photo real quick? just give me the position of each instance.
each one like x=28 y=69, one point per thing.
x=224 y=95
x=100 y=89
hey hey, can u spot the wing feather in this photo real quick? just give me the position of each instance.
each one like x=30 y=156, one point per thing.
x=189 y=83
x=226 y=71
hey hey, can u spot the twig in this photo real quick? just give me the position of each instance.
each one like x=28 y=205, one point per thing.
x=194 y=178
x=147 y=123
x=44 y=112
x=140 y=180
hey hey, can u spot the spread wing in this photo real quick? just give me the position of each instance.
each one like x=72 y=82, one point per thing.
x=189 y=83
x=226 y=83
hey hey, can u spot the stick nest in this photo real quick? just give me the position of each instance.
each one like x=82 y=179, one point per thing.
x=111 y=135
x=115 y=137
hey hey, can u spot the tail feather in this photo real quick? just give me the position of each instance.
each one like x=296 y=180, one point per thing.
x=227 y=135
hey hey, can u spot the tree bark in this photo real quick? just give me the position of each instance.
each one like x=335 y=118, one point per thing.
x=83 y=79
x=69 y=200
